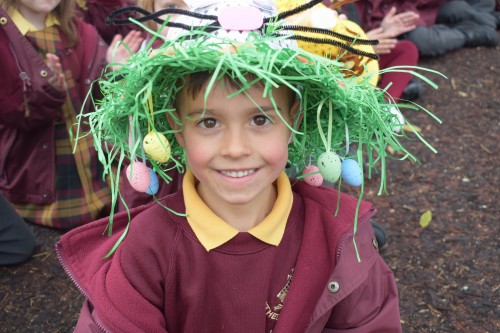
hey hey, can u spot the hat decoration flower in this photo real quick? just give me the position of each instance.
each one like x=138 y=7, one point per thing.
x=250 y=42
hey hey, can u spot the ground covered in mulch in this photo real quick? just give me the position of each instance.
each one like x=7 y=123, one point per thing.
x=448 y=272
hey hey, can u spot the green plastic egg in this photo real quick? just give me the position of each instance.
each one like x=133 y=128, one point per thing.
x=329 y=166
x=157 y=147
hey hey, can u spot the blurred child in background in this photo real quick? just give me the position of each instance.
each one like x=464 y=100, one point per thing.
x=49 y=61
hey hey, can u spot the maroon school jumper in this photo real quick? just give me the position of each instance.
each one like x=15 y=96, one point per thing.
x=161 y=279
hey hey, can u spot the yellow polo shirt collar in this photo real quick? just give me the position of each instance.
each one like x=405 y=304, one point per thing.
x=212 y=231
x=26 y=26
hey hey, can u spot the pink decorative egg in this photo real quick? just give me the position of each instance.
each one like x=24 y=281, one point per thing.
x=316 y=179
x=240 y=18
x=138 y=176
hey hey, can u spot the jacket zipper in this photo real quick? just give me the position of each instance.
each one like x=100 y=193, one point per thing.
x=78 y=286
x=26 y=83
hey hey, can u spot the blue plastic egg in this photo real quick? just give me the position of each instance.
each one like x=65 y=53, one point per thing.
x=154 y=184
x=351 y=172
x=329 y=166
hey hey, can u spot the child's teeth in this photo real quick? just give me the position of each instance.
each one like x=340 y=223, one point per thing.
x=237 y=174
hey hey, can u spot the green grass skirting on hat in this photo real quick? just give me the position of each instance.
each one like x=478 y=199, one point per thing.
x=336 y=111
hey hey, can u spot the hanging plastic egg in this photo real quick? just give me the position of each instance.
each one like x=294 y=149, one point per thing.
x=397 y=120
x=157 y=146
x=154 y=184
x=351 y=172
x=316 y=179
x=329 y=165
x=138 y=176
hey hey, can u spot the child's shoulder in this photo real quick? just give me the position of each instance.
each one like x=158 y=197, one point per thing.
x=328 y=199
x=144 y=229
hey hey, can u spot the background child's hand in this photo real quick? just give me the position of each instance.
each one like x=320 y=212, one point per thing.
x=133 y=40
x=58 y=80
x=385 y=43
x=397 y=24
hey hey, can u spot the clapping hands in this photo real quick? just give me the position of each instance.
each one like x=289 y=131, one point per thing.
x=58 y=80
x=390 y=28
x=394 y=24
x=118 y=53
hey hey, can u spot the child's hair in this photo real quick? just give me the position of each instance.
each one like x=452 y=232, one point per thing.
x=64 y=12
x=149 y=6
x=195 y=82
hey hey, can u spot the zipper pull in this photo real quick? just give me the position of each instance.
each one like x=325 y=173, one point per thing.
x=26 y=83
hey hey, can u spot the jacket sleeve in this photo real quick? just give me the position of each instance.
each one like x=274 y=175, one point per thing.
x=372 y=307
x=86 y=322
x=32 y=109
x=27 y=99
x=96 y=14
x=125 y=291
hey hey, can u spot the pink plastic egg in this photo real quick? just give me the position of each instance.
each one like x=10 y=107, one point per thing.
x=314 y=180
x=240 y=18
x=138 y=176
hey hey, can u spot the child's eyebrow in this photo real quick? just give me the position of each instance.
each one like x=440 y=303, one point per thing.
x=266 y=109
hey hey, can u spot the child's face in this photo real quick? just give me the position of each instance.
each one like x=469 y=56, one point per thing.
x=168 y=4
x=37 y=6
x=233 y=149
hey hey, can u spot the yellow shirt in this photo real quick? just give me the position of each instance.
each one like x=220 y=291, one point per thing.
x=26 y=26
x=212 y=231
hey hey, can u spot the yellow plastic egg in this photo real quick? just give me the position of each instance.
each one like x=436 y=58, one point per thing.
x=157 y=147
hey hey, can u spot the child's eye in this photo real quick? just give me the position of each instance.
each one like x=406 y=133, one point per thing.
x=171 y=5
x=208 y=123
x=260 y=120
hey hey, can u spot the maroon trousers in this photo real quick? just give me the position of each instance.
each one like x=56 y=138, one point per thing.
x=404 y=54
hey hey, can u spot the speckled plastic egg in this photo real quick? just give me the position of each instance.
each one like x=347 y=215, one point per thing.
x=154 y=184
x=157 y=146
x=351 y=172
x=138 y=176
x=314 y=180
x=329 y=166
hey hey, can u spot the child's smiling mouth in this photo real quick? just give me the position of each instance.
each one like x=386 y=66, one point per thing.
x=237 y=174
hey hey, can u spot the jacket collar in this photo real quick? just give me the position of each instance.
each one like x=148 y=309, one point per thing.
x=26 y=26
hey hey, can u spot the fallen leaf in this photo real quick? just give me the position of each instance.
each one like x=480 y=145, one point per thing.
x=412 y=128
x=453 y=84
x=425 y=219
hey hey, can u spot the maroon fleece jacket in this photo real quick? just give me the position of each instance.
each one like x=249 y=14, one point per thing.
x=161 y=279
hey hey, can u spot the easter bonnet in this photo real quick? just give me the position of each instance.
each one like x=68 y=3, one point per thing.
x=345 y=122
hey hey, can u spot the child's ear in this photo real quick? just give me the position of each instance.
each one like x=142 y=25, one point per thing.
x=295 y=114
x=176 y=127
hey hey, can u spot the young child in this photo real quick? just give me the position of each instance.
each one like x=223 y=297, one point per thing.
x=240 y=247
x=49 y=61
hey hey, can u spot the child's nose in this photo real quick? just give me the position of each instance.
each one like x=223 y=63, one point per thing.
x=235 y=144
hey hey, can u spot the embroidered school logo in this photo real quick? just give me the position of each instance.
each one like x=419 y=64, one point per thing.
x=274 y=312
